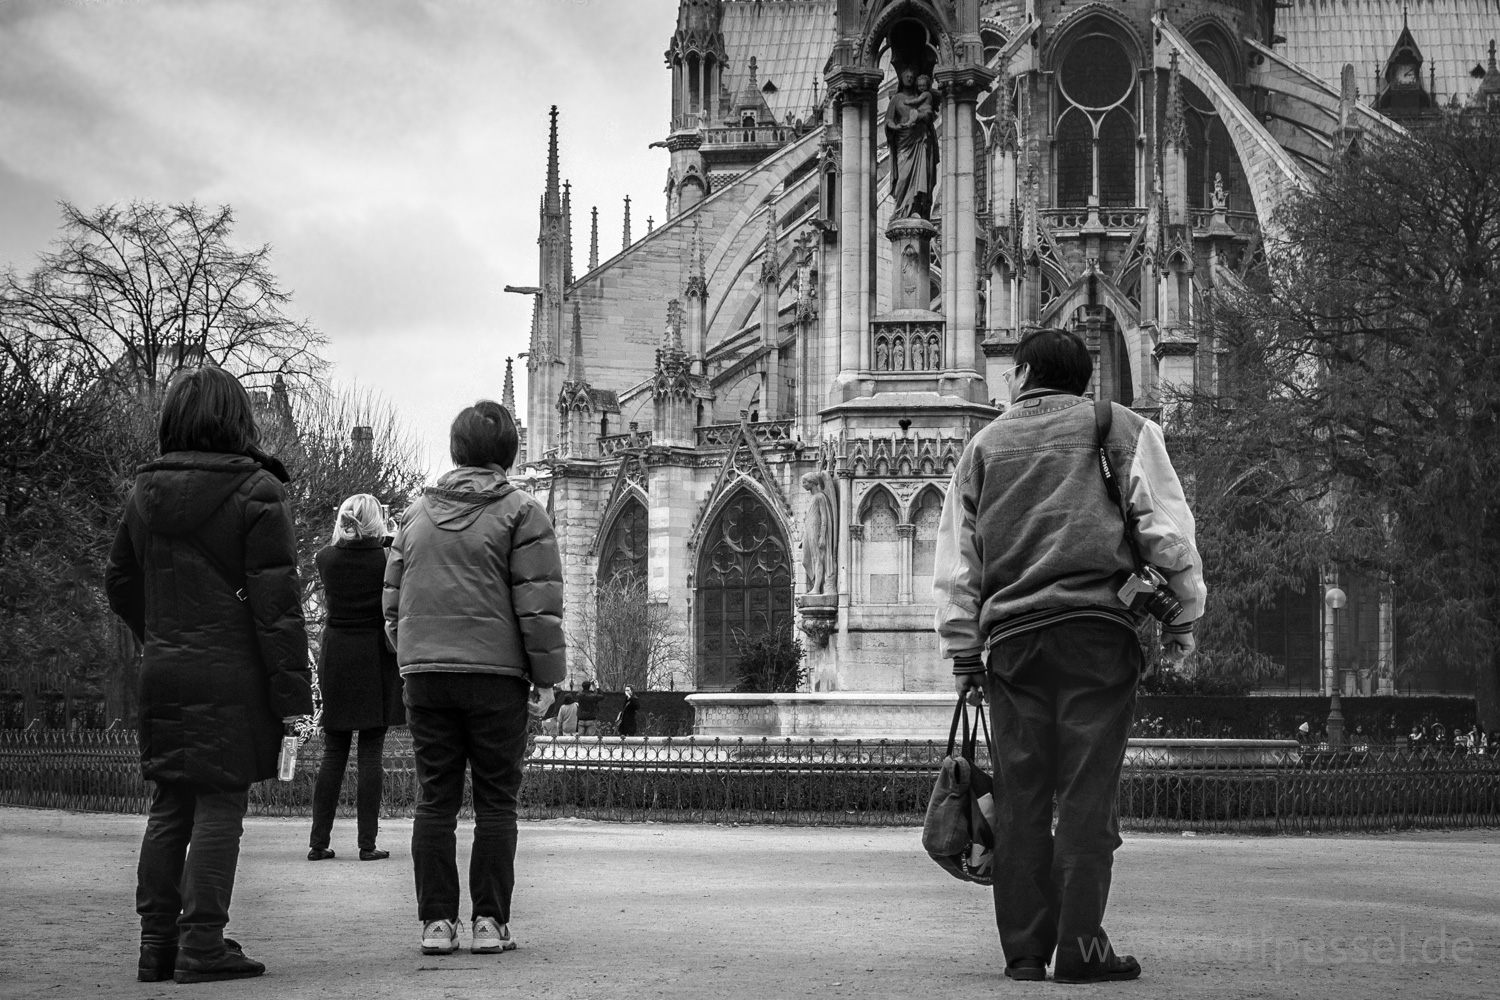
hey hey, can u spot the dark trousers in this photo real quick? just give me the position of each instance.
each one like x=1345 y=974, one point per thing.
x=478 y=720
x=1061 y=702
x=331 y=781
x=186 y=871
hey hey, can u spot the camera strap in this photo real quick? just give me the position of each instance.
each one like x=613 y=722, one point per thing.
x=1104 y=419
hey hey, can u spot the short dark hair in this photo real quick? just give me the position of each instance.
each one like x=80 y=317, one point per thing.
x=483 y=434
x=1055 y=359
x=206 y=409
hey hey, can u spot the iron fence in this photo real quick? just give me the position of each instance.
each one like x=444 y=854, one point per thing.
x=827 y=782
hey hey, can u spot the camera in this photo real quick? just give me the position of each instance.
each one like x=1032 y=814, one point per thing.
x=1147 y=591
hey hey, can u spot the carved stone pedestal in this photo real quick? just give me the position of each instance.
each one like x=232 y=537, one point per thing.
x=819 y=614
x=911 y=263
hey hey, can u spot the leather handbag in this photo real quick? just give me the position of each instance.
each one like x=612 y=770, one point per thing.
x=959 y=830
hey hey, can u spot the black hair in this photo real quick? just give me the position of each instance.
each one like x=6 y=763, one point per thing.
x=206 y=409
x=1055 y=359
x=483 y=434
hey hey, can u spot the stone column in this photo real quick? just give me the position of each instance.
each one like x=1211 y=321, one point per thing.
x=851 y=539
x=951 y=228
x=964 y=278
x=906 y=533
x=856 y=589
x=851 y=334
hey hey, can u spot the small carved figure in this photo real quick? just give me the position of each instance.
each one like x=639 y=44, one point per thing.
x=882 y=356
x=818 y=544
x=918 y=354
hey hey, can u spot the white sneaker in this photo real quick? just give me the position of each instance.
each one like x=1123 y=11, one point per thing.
x=491 y=937
x=439 y=937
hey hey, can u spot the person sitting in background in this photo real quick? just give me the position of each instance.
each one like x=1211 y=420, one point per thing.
x=204 y=572
x=567 y=716
x=357 y=674
x=588 y=710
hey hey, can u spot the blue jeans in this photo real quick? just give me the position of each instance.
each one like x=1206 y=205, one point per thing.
x=478 y=720
x=186 y=871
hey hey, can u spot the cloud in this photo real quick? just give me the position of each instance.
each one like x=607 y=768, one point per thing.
x=391 y=151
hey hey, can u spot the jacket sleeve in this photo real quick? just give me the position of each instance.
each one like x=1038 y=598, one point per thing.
x=957 y=573
x=275 y=597
x=125 y=582
x=390 y=594
x=536 y=593
x=1163 y=522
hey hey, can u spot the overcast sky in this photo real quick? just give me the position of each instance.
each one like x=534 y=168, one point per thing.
x=391 y=151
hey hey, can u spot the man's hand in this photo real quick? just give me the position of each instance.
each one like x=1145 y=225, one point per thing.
x=541 y=701
x=971 y=684
x=1177 y=652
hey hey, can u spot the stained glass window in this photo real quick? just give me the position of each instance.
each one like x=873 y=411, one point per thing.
x=744 y=586
x=626 y=546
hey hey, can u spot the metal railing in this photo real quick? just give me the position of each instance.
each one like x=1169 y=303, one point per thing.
x=831 y=782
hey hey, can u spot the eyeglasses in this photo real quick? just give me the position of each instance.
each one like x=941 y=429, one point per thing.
x=1011 y=374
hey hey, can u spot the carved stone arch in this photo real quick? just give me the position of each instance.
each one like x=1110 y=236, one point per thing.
x=1069 y=29
x=1000 y=253
x=877 y=491
x=909 y=515
x=1178 y=256
x=1222 y=34
x=1109 y=294
x=878 y=29
x=736 y=396
x=623 y=542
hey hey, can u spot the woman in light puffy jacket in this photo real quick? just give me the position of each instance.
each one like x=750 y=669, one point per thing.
x=473 y=604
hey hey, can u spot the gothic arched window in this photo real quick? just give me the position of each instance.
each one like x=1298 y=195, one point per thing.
x=744 y=586
x=1096 y=125
x=627 y=544
x=882 y=550
x=1210 y=150
x=925 y=516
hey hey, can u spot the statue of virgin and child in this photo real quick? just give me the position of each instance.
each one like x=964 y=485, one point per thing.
x=911 y=136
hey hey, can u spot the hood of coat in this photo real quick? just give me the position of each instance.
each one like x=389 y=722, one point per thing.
x=177 y=492
x=462 y=495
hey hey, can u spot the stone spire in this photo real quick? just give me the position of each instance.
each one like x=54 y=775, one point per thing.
x=508 y=394
x=567 y=208
x=650 y=225
x=594 y=237
x=671 y=335
x=626 y=245
x=551 y=202
x=770 y=263
x=575 y=357
x=1176 y=124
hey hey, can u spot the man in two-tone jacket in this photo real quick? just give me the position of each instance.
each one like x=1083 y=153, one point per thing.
x=1031 y=556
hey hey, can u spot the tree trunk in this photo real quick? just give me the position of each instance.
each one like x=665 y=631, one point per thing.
x=1487 y=691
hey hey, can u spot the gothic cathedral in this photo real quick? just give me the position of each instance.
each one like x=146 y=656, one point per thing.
x=753 y=409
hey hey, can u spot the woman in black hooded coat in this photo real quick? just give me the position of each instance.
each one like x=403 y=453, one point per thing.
x=204 y=571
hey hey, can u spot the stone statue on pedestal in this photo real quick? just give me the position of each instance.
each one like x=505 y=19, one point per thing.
x=818 y=537
x=912 y=139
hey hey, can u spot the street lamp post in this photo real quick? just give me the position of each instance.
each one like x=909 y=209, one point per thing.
x=1335 y=599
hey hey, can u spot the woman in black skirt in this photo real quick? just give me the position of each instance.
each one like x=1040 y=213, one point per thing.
x=357 y=673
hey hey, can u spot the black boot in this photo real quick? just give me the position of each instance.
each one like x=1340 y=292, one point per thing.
x=1115 y=969
x=232 y=964
x=157 y=962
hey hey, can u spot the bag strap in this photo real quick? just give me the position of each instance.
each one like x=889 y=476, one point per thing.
x=1104 y=419
x=958 y=713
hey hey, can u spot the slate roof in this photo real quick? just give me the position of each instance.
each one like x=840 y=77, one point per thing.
x=790 y=40
x=1323 y=35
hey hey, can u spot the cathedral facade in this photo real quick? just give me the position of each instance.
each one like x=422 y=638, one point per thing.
x=756 y=406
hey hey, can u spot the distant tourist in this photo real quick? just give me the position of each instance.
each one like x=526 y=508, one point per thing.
x=588 y=710
x=473 y=603
x=204 y=571
x=1304 y=734
x=357 y=674
x=1045 y=601
x=625 y=723
x=567 y=715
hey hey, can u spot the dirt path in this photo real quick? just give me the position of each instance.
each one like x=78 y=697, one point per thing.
x=605 y=910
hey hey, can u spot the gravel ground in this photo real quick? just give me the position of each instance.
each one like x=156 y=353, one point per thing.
x=622 y=911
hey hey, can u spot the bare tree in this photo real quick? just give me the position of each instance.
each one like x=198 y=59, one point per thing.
x=624 y=637
x=135 y=292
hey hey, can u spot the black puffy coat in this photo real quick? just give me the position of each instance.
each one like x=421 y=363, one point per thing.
x=357 y=670
x=218 y=673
